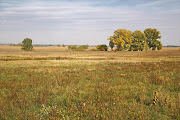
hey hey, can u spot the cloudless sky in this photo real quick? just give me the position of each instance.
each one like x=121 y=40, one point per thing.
x=86 y=21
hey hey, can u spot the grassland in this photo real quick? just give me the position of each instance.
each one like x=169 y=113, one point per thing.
x=54 y=83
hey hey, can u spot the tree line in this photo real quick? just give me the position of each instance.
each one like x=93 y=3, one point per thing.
x=135 y=41
x=122 y=38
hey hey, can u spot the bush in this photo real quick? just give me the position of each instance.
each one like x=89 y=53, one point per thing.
x=80 y=48
x=102 y=47
x=83 y=47
x=72 y=47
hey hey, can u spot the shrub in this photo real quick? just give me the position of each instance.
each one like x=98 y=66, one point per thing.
x=102 y=47
x=83 y=47
x=80 y=48
x=72 y=47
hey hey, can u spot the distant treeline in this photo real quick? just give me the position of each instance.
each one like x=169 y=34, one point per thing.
x=41 y=45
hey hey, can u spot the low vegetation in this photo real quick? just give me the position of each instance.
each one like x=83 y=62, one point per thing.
x=78 y=48
x=91 y=85
x=102 y=47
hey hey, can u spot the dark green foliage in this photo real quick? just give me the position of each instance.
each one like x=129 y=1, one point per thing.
x=27 y=44
x=102 y=47
x=63 y=45
x=111 y=44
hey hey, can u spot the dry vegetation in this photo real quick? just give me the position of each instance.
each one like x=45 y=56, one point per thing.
x=54 y=83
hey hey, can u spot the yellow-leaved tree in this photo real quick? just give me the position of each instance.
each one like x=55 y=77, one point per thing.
x=122 y=38
x=139 y=41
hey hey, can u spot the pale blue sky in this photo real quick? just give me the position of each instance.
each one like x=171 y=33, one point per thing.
x=86 y=21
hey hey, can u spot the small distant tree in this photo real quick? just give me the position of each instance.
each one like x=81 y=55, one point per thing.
x=63 y=45
x=27 y=44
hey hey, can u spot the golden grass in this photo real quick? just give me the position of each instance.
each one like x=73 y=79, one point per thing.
x=51 y=53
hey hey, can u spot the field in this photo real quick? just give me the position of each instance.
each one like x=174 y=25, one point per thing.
x=54 y=83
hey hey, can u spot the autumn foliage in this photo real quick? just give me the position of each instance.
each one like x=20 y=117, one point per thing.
x=136 y=41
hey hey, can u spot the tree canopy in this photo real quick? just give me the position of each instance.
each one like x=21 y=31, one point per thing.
x=122 y=38
x=152 y=36
x=136 y=41
x=27 y=44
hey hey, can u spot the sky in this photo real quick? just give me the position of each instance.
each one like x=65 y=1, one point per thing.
x=78 y=22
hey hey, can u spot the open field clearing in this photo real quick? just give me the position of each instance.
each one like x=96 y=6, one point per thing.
x=52 y=53
x=54 y=83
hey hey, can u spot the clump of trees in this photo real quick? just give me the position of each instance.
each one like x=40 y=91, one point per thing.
x=27 y=44
x=102 y=47
x=135 y=41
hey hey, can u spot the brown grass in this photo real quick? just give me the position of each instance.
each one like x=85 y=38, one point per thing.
x=51 y=53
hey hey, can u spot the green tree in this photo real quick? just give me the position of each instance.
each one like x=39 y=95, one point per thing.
x=138 y=41
x=27 y=44
x=152 y=36
x=122 y=38
x=111 y=43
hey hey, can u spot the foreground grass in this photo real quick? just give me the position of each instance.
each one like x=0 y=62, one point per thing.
x=89 y=91
x=89 y=85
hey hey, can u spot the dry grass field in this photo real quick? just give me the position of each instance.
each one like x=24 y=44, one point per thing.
x=55 y=83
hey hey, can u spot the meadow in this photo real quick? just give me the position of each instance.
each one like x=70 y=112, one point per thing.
x=55 y=83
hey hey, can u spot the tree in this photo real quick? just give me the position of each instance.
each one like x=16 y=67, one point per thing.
x=152 y=36
x=138 y=41
x=27 y=44
x=111 y=44
x=122 y=38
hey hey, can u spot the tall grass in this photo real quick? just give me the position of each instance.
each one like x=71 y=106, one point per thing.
x=104 y=90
